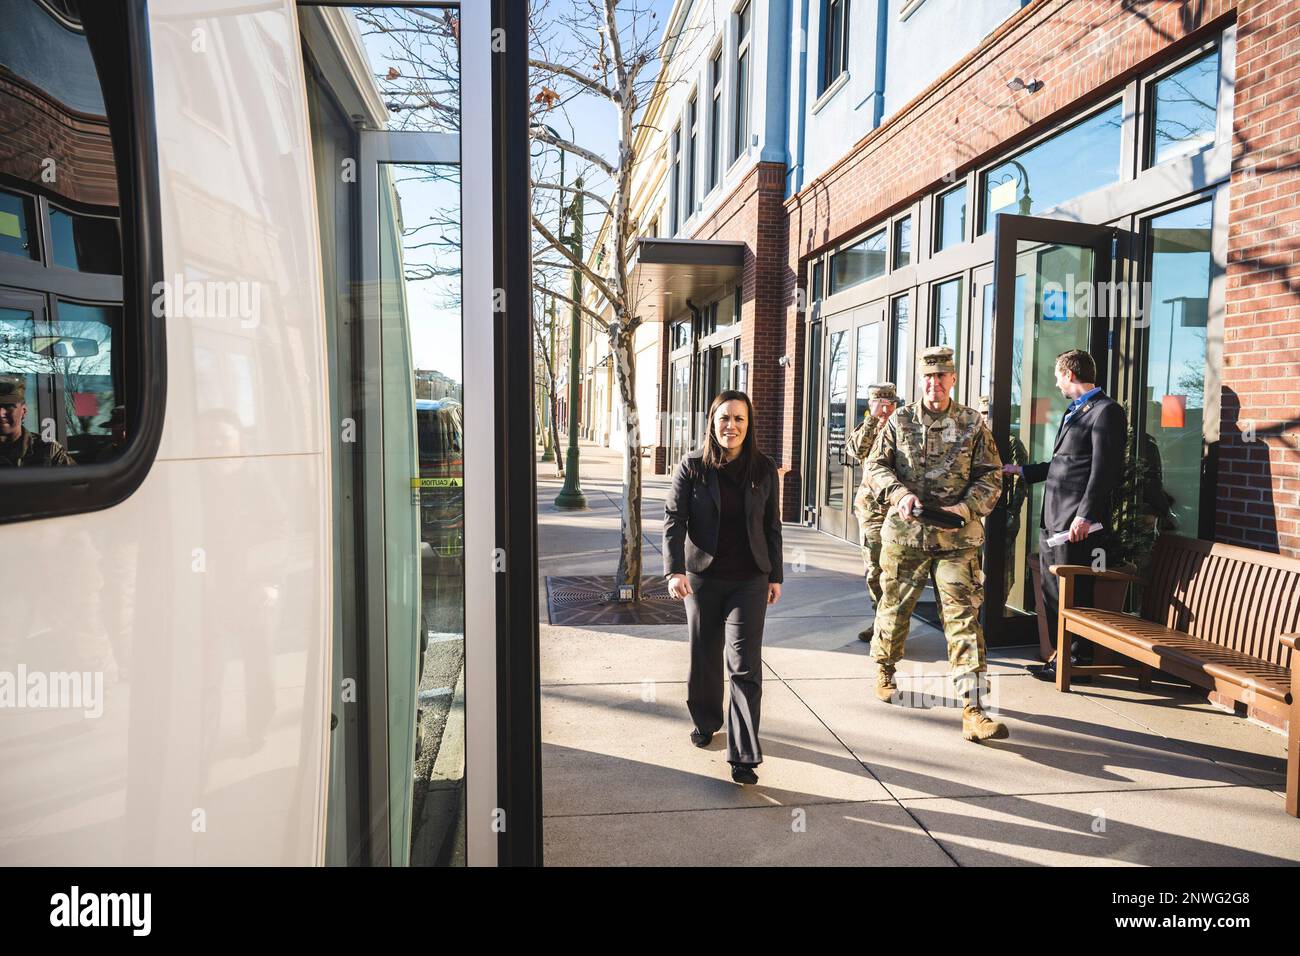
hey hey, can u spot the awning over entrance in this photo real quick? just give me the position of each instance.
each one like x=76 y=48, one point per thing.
x=667 y=272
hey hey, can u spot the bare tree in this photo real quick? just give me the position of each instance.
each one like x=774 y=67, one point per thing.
x=604 y=51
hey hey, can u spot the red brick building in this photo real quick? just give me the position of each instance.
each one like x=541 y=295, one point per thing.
x=1085 y=54
x=1141 y=164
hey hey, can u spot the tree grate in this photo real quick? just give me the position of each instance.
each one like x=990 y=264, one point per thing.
x=590 y=600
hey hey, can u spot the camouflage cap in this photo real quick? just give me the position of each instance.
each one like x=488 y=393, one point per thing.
x=884 y=390
x=13 y=390
x=937 y=358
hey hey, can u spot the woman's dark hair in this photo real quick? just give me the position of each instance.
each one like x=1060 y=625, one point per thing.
x=753 y=461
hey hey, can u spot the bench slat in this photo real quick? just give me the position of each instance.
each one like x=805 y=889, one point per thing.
x=1232 y=597
x=1121 y=631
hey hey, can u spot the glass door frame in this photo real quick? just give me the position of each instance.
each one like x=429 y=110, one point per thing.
x=811 y=443
x=1009 y=232
x=841 y=323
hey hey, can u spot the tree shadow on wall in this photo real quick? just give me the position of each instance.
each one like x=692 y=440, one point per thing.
x=1244 y=453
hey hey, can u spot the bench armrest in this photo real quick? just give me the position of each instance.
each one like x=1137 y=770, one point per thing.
x=1291 y=640
x=1070 y=570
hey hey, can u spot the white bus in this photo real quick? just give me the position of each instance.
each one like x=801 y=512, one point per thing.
x=241 y=242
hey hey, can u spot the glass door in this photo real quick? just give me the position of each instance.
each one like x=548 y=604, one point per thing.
x=868 y=369
x=426 y=673
x=978 y=372
x=1050 y=294
x=835 y=498
x=812 y=420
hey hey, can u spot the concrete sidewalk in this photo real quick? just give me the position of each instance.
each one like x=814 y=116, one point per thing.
x=1106 y=774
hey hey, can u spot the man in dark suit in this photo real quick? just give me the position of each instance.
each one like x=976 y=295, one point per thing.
x=1087 y=462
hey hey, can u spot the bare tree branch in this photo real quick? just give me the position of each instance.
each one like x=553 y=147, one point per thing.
x=595 y=317
x=594 y=85
x=594 y=158
x=601 y=286
x=598 y=200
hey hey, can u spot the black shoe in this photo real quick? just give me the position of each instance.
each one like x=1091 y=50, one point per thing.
x=865 y=635
x=700 y=740
x=1047 y=672
x=743 y=773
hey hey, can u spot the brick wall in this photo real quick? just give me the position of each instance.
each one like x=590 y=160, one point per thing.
x=37 y=128
x=1259 y=480
x=754 y=213
x=1080 y=50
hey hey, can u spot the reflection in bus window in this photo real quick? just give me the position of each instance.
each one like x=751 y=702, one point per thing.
x=61 y=287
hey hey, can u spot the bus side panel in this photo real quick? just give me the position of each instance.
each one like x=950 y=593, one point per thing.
x=187 y=629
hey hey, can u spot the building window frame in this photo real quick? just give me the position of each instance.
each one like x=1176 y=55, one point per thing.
x=880 y=230
x=936 y=218
x=1225 y=45
x=834 y=44
x=715 y=119
x=692 y=126
x=675 y=161
x=1067 y=125
x=743 y=65
x=895 y=231
x=900 y=348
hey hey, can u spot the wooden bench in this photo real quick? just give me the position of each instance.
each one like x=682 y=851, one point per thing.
x=1220 y=616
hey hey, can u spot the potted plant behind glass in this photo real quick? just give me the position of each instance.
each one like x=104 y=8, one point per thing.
x=1139 y=512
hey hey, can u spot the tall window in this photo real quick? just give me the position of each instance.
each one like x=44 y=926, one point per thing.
x=1172 y=442
x=859 y=262
x=950 y=219
x=677 y=179
x=715 y=120
x=692 y=138
x=946 y=313
x=1075 y=161
x=903 y=242
x=900 y=345
x=1185 y=105
x=835 y=41
x=740 y=137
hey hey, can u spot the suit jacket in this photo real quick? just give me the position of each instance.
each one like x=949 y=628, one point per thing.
x=692 y=516
x=1087 y=462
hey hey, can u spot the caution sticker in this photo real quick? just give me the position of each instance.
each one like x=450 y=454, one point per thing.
x=437 y=482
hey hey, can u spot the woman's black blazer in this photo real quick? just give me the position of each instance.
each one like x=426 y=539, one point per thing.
x=693 y=509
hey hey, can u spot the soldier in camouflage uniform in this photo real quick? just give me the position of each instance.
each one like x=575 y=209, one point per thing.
x=1017 y=491
x=18 y=446
x=881 y=402
x=938 y=455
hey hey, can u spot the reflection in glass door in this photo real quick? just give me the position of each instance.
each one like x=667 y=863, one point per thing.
x=812 y=421
x=1046 y=275
x=868 y=363
x=1177 y=408
x=406 y=207
x=420 y=516
x=834 y=419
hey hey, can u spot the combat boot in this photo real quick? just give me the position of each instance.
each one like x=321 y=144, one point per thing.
x=885 y=686
x=866 y=633
x=977 y=725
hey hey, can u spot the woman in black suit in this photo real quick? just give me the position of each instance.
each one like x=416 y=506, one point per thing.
x=722 y=555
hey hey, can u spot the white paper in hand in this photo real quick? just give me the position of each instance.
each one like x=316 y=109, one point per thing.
x=1058 y=539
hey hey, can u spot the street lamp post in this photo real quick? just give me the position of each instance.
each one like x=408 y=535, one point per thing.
x=571 y=497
